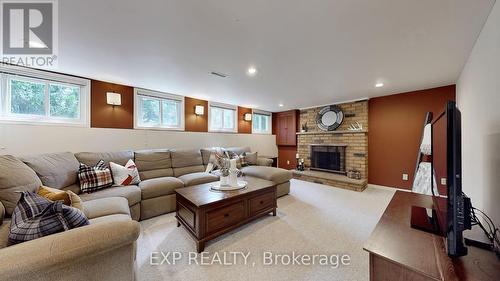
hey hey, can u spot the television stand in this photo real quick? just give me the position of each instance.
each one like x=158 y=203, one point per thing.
x=399 y=252
x=425 y=219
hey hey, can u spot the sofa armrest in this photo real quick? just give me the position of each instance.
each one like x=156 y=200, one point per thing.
x=261 y=161
x=47 y=256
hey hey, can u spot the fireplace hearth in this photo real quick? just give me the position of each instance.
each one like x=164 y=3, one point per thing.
x=328 y=158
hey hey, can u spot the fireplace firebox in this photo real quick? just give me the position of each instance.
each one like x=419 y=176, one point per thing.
x=328 y=158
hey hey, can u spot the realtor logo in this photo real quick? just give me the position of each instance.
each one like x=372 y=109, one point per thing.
x=29 y=32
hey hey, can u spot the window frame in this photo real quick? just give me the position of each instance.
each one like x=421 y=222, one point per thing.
x=9 y=73
x=222 y=106
x=139 y=92
x=269 y=125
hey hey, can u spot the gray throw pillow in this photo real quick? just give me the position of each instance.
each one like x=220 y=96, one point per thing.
x=36 y=216
x=251 y=158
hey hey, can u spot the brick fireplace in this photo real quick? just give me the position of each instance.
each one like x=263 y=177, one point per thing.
x=351 y=145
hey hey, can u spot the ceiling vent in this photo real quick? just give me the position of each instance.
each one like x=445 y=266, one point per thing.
x=219 y=74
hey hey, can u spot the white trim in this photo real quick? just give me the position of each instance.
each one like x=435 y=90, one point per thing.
x=159 y=96
x=222 y=106
x=335 y=103
x=9 y=72
x=270 y=125
x=44 y=75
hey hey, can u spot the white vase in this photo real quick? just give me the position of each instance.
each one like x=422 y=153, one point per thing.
x=223 y=181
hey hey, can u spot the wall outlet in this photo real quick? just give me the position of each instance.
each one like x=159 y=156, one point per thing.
x=405 y=177
x=443 y=181
x=288 y=162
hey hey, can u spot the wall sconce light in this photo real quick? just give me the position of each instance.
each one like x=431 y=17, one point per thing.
x=248 y=116
x=199 y=110
x=113 y=98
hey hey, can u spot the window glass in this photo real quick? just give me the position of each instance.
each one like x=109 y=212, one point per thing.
x=158 y=110
x=27 y=97
x=150 y=112
x=261 y=123
x=170 y=113
x=222 y=119
x=228 y=119
x=64 y=101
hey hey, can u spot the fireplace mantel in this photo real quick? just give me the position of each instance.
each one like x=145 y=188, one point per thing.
x=333 y=132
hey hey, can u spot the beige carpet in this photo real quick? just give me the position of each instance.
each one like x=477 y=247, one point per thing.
x=312 y=219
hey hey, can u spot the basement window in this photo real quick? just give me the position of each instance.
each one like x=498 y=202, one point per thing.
x=261 y=123
x=156 y=110
x=223 y=118
x=36 y=97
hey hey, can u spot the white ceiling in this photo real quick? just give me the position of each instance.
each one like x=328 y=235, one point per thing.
x=307 y=52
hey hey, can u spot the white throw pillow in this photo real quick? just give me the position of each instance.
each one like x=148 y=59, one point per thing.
x=125 y=175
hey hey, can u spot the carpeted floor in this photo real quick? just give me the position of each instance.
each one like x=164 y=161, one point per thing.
x=312 y=220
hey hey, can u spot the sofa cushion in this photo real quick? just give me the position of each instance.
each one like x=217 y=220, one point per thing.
x=94 y=178
x=106 y=207
x=251 y=158
x=157 y=187
x=239 y=150
x=110 y=218
x=155 y=159
x=198 y=178
x=155 y=163
x=4 y=233
x=186 y=158
x=56 y=170
x=74 y=187
x=160 y=173
x=15 y=176
x=132 y=193
x=125 y=175
x=188 y=170
x=2 y=213
x=276 y=175
x=91 y=158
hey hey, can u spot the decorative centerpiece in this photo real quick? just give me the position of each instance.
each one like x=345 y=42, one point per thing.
x=228 y=172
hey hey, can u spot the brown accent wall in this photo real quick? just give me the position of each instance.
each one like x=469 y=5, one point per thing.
x=244 y=127
x=103 y=115
x=193 y=122
x=396 y=124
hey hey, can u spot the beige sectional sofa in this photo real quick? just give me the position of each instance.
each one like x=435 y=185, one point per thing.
x=105 y=248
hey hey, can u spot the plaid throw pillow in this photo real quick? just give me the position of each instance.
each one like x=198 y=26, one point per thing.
x=36 y=216
x=93 y=178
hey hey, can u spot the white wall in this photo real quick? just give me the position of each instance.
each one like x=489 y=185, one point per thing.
x=478 y=97
x=26 y=139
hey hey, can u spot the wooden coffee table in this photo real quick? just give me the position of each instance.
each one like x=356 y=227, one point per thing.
x=207 y=214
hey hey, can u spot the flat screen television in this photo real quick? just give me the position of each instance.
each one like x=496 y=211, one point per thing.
x=454 y=211
x=451 y=213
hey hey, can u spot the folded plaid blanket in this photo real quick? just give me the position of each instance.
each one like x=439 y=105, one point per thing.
x=36 y=216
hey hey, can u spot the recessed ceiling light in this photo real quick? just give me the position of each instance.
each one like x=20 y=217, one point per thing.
x=281 y=105
x=252 y=71
x=379 y=85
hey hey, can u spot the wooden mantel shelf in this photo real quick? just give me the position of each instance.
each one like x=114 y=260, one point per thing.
x=333 y=132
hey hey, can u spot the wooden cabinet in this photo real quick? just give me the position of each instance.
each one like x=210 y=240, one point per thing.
x=286 y=124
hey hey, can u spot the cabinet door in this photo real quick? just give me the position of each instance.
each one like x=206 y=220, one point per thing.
x=281 y=132
x=290 y=130
x=286 y=128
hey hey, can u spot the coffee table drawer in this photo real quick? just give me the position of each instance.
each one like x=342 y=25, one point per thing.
x=261 y=202
x=225 y=216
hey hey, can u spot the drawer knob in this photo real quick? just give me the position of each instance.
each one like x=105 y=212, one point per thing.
x=226 y=215
x=261 y=202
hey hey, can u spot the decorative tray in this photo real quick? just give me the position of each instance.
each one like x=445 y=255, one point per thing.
x=216 y=186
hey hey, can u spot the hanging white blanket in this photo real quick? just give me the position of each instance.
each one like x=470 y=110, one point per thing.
x=422 y=182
